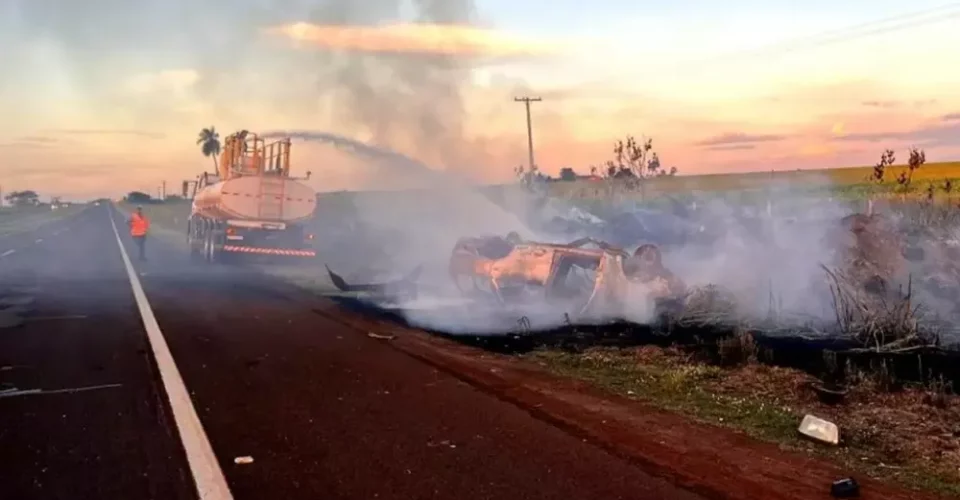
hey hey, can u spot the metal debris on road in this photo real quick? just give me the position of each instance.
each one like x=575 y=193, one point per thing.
x=243 y=460
x=58 y=318
x=6 y=393
x=380 y=337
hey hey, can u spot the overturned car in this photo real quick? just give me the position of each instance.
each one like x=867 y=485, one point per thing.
x=585 y=278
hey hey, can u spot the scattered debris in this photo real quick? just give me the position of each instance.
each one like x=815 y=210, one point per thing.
x=820 y=430
x=845 y=488
x=13 y=391
x=243 y=460
x=380 y=337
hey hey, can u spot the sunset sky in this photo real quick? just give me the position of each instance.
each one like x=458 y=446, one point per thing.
x=101 y=97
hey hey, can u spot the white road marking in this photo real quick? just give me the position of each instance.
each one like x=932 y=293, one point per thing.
x=207 y=475
x=8 y=253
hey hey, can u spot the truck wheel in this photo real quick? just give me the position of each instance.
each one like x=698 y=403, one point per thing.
x=208 y=249
x=195 y=253
x=213 y=256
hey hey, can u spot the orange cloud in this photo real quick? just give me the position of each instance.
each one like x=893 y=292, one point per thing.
x=436 y=39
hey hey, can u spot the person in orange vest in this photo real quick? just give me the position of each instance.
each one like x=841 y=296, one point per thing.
x=139 y=226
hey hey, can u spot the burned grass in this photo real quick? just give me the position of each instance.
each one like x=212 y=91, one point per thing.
x=911 y=435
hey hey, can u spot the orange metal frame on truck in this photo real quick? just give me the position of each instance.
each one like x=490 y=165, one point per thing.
x=245 y=153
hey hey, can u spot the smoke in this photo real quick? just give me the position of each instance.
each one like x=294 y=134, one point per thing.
x=769 y=258
x=411 y=102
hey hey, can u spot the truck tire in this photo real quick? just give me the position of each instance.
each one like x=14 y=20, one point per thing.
x=195 y=253
x=208 y=249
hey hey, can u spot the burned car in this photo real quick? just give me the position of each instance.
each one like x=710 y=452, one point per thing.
x=586 y=277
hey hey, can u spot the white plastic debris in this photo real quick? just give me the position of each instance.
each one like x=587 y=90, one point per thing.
x=820 y=430
x=243 y=460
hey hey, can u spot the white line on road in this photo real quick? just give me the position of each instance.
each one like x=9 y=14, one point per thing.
x=207 y=475
x=8 y=253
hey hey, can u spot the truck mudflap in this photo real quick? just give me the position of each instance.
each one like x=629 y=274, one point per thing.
x=269 y=251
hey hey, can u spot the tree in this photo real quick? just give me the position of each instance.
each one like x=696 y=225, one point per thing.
x=138 y=197
x=532 y=180
x=567 y=174
x=634 y=162
x=209 y=141
x=917 y=159
x=23 y=198
x=880 y=169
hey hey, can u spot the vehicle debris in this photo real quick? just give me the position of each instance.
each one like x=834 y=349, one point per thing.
x=380 y=337
x=590 y=277
x=404 y=288
x=845 y=488
x=820 y=430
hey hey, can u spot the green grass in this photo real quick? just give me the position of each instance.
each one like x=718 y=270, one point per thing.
x=687 y=388
x=678 y=388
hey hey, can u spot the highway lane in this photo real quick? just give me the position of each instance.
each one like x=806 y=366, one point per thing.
x=323 y=410
x=107 y=433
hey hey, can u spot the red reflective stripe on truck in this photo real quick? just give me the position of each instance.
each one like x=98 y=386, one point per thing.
x=270 y=251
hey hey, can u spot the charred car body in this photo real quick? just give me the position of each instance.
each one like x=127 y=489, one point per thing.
x=586 y=277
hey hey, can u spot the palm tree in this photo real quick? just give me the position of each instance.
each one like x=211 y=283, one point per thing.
x=209 y=141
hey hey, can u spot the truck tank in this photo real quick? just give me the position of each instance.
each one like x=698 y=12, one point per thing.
x=243 y=198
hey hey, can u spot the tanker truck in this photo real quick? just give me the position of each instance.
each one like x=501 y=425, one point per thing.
x=251 y=206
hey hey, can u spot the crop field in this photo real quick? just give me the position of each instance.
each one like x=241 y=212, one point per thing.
x=836 y=178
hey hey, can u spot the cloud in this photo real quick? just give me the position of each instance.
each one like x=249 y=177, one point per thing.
x=38 y=139
x=732 y=147
x=137 y=133
x=30 y=142
x=423 y=39
x=740 y=138
x=929 y=136
x=898 y=104
x=174 y=80
x=952 y=117
x=882 y=104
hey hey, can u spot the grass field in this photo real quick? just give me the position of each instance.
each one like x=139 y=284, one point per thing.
x=839 y=179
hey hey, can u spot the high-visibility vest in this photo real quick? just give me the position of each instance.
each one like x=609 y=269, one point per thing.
x=139 y=225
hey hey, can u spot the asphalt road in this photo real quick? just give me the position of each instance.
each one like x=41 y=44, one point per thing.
x=323 y=410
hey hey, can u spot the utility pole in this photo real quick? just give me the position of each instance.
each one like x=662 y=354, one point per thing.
x=163 y=192
x=526 y=101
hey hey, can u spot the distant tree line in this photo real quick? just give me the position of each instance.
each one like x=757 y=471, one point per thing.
x=23 y=198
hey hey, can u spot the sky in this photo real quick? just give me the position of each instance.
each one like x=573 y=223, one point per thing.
x=108 y=96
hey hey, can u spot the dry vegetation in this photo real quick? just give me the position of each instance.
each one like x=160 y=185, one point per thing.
x=911 y=435
x=855 y=180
